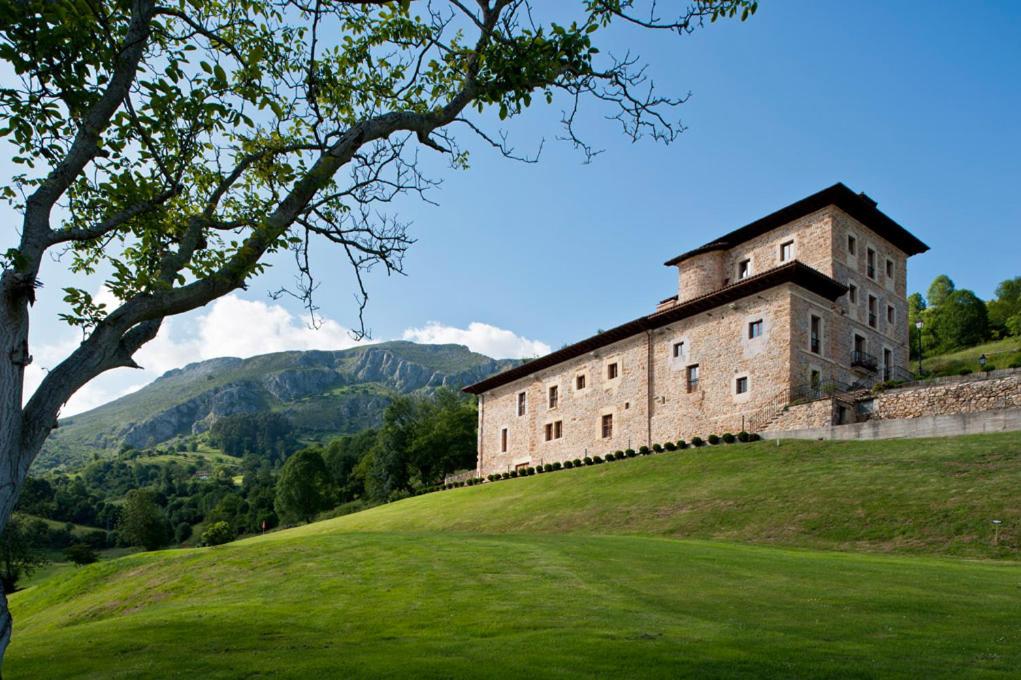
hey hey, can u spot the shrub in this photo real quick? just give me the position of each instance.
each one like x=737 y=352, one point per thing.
x=217 y=533
x=965 y=371
x=538 y=468
x=568 y=465
x=658 y=448
x=1015 y=364
x=714 y=440
x=533 y=470
x=587 y=460
x=621 y=455
x=507 y=475
x=644 y=450
x=513 y=473
x=743 y=436
x=697 y=441
x=989 y=367
x=548 y=467
x=729 y=438
x=609 y=458
x=81 y=554
x=670 y=446
x=754 y=437
x=597 y=460
x=556 y=466
x=577 y=462
x=681 y=444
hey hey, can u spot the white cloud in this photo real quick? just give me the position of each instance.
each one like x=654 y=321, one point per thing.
x=232 y=326
x=479 y=337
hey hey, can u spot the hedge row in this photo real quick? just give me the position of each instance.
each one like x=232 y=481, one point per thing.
x=726 y=438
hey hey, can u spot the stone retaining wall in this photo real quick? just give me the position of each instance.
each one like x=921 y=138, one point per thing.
x=946 y=396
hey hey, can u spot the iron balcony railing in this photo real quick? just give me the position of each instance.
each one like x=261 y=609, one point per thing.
x=864 y=360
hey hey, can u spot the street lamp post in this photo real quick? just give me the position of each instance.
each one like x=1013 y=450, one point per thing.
x=918 y=327
x=982 y=362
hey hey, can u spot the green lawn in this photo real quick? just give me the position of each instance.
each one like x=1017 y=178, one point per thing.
x=1001 y=354
x=599 y=572
x=934 y=496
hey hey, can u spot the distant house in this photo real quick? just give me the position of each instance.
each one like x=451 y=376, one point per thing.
x=806 y=300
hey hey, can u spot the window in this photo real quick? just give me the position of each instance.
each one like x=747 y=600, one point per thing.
x=754 y=329
x=579 y=382
x=852 y=293
x=815 y=379
x=852 y=244
x=744 y=269
x=787 y=251
x=873 y=320
x=612 y=371
x=859 y=345
x=607 y=426
x=889 y=269
x=503 y=440
x=815 y=333
x=692 y=377
x=891 y=314
x=887 y=364
x=870 y=263
x=554 y=430
x=678 y=350
x=521 y=403
x=554 y=396
x=742 y=385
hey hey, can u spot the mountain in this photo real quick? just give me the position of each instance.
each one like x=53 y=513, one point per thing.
x=321 y=392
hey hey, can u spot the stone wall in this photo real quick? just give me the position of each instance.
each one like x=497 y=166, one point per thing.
x=955 y=425
x=816 y=413
x=965 y=394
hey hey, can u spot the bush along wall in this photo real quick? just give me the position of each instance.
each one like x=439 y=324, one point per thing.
x=610 y=457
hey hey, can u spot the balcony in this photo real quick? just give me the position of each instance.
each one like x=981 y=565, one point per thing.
x=861 y=359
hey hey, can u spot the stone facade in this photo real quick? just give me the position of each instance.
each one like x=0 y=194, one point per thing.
x=764 y=314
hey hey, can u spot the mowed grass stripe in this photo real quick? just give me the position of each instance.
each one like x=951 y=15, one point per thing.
x=427 y=605
x=935 y=496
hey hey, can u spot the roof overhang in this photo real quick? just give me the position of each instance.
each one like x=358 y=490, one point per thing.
x=858 y=206
x=796 y=273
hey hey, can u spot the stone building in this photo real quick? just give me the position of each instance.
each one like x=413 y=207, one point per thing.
x=806 y=301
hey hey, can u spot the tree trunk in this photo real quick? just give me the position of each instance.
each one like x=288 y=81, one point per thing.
x=14 y=356
x=5 y=629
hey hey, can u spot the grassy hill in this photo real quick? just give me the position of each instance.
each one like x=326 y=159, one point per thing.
x=1001 y=354
x=717 y=562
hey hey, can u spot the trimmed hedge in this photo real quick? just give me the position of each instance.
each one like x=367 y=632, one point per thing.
x=670 y=446
x=697 y=441
x=729 y=438
x=588 y=460
x=658 y=448
x=597 y=460
x=577 y=462
x=713 y=439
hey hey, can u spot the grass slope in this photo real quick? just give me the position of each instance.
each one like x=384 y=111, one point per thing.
x=934 y=496
x=531 y=577
x=1001 y=354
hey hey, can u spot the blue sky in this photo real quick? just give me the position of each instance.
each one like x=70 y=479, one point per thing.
x=916 y=104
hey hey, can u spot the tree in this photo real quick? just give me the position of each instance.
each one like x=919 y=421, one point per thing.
x=170 y=148
x=81 y=554
x=961 y=320
x=939 y=290
x=19 y=555
x=217 y=533
x=303 y=486
x=143 y=522
x=444 y=438
x=1005 y=309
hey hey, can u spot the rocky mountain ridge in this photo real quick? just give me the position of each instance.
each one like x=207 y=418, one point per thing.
x=321 y=392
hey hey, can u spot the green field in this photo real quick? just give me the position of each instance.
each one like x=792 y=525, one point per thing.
x=735 y=561
x=1001 y=354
